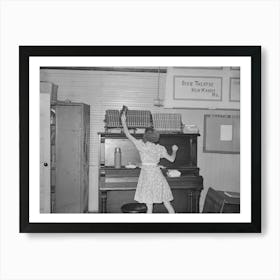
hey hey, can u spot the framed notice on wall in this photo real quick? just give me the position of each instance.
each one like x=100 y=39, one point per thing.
x=221 y=133
x=197 y=88
x=234 y=90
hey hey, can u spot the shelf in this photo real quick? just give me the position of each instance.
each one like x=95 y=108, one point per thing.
x=140 y=135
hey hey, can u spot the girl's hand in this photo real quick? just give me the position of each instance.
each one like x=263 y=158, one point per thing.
x=175 y=148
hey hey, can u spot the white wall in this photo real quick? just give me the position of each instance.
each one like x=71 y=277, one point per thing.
x=110 y=90
x=159 y=256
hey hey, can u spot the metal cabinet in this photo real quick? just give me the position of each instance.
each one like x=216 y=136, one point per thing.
x=70 y=158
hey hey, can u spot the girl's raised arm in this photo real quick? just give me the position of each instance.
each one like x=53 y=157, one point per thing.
x=125 y=129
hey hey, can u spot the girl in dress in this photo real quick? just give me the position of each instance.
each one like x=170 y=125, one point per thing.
x=152 y=187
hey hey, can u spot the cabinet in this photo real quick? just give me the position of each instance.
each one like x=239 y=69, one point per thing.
x=70 y=157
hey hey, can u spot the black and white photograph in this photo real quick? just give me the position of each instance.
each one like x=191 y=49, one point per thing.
x=156 y=133
x=110 y=142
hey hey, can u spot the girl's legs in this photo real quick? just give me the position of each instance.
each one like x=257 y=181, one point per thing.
x=169 y=207
x=149 y=208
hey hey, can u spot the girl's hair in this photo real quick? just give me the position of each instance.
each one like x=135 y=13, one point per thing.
x=151 y=135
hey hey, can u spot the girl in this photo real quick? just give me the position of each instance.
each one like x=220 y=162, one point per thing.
x=152 y=186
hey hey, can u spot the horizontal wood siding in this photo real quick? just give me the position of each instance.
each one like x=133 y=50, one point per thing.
x=105 y=90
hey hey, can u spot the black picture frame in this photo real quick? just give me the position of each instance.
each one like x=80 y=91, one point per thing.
x=254 y=52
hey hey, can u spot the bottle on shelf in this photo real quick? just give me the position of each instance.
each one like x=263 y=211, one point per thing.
x=118 y=158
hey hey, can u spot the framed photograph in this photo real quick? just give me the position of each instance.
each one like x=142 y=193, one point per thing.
x=140 y=139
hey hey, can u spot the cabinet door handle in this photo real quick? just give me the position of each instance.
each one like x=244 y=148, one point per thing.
x=45 y=164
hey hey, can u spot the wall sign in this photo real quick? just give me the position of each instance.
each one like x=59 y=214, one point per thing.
x=197 y=88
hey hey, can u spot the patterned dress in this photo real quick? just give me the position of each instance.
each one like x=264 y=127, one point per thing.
x=152 y=186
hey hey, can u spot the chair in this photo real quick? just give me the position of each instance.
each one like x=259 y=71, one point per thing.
x=212 y=204
x=220 y=202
